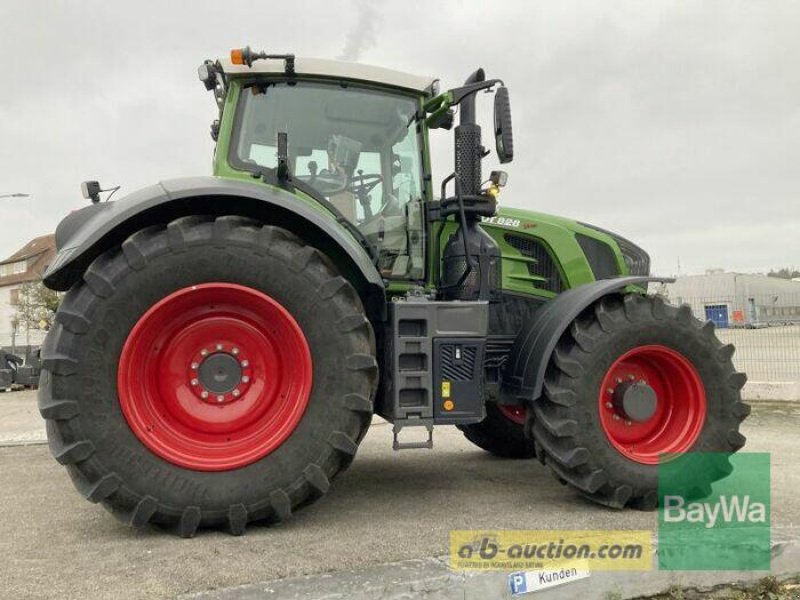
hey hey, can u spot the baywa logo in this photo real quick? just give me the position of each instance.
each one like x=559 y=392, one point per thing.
x=722 y=526
x=728 y=508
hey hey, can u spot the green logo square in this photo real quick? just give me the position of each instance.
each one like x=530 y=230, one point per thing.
x=716 y=528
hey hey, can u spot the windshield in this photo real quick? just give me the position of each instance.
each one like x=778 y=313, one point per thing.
x=357 y=147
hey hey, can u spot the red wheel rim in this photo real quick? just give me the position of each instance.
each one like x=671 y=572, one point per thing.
x=680 y=409
x=214 y=377
x=515 y=414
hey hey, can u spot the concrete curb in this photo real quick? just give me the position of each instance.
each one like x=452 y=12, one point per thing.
x=24 y=438
x=771 y=390
x=430 y=579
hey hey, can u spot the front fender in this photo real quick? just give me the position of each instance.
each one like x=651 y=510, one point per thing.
x=527 y=362
x=87 y=233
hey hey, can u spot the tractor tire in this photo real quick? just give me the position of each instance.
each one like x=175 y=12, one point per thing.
x=501 y=433
x=208 y=373
x=638 y=354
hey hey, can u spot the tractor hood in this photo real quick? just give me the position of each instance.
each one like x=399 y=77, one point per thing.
x=529 y=219
x=593 y=241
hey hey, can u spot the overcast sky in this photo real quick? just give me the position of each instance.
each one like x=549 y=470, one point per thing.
x=676 y=124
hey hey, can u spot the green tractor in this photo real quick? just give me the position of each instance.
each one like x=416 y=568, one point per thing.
x=225 y=341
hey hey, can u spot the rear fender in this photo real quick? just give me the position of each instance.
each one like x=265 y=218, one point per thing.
x=527 y=362
x=87 y=233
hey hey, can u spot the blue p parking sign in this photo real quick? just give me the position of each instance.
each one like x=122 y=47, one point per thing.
x=518 y=583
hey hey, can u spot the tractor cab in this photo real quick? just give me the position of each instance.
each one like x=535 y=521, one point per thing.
x=312 y=125
x=356 y=147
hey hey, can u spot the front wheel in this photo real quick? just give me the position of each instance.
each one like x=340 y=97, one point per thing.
x=633 y=381
x=211 y=372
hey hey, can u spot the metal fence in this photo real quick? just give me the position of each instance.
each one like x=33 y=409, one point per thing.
x=765 y=328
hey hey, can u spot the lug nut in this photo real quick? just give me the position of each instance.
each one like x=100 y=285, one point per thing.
x=219 y=347
x=609 y=405
x=616 y=417
x=203 y=352
x=628 y=423
x=245 y=363
x=220 y=398
x=194 y=382
x=631 y=377
x=235 y=393
x=619 y=380
x=195 y=366
x=235 y=351
x=245 y=379
x=204 y=394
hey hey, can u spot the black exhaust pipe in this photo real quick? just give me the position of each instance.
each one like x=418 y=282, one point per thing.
x=468 y=148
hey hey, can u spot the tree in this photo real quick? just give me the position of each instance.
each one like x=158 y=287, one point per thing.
x=36 y=306
x=784 y=273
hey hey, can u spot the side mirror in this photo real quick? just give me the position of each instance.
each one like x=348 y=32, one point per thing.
x=207 y=73
x=504 y=141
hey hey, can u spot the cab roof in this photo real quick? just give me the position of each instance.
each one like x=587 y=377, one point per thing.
x=321 y=67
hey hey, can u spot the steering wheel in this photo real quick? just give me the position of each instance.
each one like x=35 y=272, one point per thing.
x=361 y=185
x=364 y=184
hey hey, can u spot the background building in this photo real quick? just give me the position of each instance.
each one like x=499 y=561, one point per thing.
x=26 y=265
x=738 y=300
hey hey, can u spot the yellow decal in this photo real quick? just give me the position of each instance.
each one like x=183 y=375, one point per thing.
x=445 y=389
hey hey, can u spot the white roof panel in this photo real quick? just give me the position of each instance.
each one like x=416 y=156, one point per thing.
x=333 y=68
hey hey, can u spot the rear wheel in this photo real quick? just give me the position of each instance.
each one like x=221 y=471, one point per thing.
x=192 y=380
x=502 y=432
x=632 y=380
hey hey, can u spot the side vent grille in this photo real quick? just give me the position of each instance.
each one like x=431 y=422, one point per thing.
x=542 y=264
x=458 y=362
x=600 y=256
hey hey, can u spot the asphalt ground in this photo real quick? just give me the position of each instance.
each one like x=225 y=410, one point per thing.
x=389 y=506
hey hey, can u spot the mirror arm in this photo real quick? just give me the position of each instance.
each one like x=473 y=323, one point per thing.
x=458 y=94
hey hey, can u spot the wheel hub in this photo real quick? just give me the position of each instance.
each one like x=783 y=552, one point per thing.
x=636 y=400
x=219 y=376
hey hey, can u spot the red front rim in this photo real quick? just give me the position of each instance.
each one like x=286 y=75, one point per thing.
x=515 y=414
x=680 y=409
x=214 y=377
